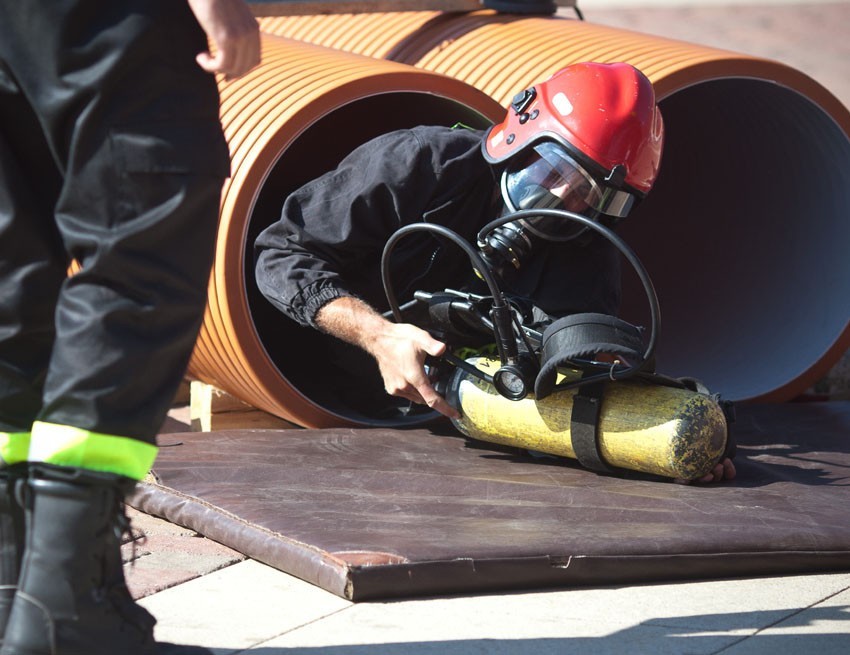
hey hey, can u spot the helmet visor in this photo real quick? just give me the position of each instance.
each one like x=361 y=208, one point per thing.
x=548 y=178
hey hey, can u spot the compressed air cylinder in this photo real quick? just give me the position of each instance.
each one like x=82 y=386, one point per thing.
x=644 y=427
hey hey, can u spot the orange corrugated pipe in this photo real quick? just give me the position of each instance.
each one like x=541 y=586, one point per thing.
x=502 y=53
x=263 y=114
x=768 y=138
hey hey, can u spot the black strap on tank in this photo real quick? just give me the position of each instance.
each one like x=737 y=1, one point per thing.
x=587 y=410
x=584 y=427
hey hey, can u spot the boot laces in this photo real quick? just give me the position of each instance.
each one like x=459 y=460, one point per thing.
x=139 y=621
x=123 y=526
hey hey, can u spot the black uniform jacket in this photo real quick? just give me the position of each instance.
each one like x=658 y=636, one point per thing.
x=332 y=231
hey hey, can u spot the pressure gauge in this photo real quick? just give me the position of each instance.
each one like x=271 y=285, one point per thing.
x=510 y=381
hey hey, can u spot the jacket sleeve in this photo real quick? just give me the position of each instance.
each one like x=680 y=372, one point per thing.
x=340 y=219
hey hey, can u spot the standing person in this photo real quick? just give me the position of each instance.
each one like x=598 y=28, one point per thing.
x=111 y=155
x=588 y=140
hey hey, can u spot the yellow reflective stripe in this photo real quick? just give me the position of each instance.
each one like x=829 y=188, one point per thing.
x=14 y=447
x=63 y=445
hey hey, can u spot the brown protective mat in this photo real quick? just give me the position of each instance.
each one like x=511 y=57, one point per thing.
x=376 y=513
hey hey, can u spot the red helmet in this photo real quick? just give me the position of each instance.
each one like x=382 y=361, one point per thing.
x=606 y=120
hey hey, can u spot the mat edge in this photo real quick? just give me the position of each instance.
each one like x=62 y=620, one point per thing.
x=293 y=557
x=464 y=576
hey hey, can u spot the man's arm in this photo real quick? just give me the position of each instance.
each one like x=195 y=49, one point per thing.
x=399 y=348
x=231 y=26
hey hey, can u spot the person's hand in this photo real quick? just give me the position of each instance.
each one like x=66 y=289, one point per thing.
x=724 y=470
x=400 y=350
x=232 y=28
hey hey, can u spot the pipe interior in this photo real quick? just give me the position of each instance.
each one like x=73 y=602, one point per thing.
x=745 y=237
x=744 y=234
x=294 y=350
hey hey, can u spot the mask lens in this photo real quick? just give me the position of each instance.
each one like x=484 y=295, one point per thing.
x=548 y=178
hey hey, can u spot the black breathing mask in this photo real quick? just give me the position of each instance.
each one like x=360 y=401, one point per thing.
x=506 y=248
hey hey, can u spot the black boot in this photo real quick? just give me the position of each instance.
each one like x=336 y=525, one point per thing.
x=71 y=598
x=11 y=540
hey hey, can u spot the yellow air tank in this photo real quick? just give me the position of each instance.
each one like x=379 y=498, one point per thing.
x=644 y=427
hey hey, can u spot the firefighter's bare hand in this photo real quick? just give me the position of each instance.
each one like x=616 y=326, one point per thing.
x=401 y=350
x=232 y=29
x=725 y=470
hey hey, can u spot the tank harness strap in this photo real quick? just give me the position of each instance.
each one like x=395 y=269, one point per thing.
x=728 y=408
x=440 y=310
x=587 y=409
x=584 y=427
x=581 y=336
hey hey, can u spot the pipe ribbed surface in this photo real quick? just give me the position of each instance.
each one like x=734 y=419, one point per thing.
x=294 y=117
x=371 y=34
x=745 y=231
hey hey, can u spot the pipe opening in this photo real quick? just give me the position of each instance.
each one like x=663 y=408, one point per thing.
x=298 y=353
x=745 y=236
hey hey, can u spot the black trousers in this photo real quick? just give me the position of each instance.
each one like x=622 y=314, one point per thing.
x=111 y=155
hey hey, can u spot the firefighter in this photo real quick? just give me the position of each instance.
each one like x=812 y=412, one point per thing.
x=112 y=156
x=589 y=140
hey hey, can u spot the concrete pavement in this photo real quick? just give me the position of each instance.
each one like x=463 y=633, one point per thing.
x=249 y=607
x=203 y=593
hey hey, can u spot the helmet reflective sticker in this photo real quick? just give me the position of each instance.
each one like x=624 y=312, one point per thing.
x=562 y=103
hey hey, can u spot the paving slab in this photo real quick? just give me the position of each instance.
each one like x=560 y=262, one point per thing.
x=252 y=607
x=823 y=628
x=165 y=555
x=693 y=618
x=238 y=607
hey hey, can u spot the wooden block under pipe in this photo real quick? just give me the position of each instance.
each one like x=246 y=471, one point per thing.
x=211 y=408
